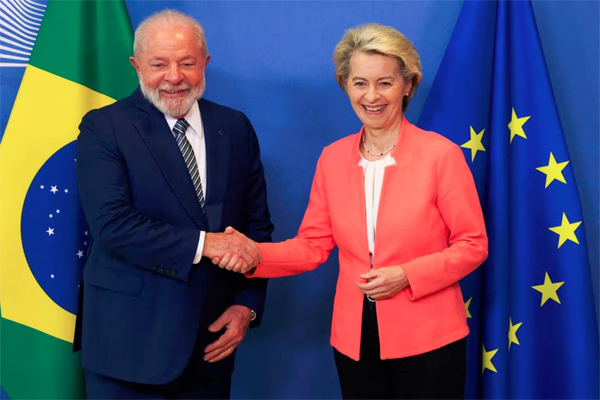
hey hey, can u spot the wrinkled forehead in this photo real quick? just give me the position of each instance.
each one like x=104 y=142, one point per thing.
x=374 y=61
x=168 y=33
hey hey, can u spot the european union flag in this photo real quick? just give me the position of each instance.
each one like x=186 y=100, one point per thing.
x=530 y=307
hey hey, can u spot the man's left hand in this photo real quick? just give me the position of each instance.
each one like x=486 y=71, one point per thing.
x=235 y=320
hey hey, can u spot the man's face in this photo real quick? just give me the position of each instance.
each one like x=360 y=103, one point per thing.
x=170 y=67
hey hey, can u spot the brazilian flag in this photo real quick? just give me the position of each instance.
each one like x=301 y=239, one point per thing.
x=79 y=62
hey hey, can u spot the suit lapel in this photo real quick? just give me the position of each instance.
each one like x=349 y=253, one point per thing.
x=155 y=132
x=218 y=153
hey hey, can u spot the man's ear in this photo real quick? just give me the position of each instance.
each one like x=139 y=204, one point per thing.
x=135 y=64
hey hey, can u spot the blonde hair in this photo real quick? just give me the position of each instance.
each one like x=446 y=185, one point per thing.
x=162 y=19
x=378 y=39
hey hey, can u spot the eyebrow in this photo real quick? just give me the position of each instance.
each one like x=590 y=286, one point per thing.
x=379 y=79
x=159 y=58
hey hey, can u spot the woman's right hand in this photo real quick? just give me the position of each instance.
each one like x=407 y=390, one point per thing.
x=226 y=259
x=383 y=282
x=233 y=263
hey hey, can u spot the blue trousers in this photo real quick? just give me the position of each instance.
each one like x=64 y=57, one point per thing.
x=187 y=386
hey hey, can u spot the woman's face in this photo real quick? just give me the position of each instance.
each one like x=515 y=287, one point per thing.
x=376 y=89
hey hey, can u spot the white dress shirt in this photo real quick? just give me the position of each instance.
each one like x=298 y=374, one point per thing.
x=195 y=135
x=373 y=171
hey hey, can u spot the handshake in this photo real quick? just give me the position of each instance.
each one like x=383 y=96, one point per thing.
x=232 y=250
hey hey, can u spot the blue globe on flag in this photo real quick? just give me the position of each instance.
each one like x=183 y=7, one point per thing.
x=55 y=235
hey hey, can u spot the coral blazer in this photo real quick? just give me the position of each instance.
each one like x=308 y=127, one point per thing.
x=429 y=222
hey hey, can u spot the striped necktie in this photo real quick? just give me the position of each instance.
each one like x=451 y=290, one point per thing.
x=189 y=157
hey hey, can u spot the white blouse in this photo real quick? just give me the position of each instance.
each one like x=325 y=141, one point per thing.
x=373 y=171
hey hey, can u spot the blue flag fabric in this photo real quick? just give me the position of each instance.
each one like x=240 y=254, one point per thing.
x=530 y=306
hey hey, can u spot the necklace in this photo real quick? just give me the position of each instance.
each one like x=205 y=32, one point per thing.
x=375 y=154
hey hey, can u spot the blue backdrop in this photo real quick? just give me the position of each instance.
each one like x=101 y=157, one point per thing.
x=272 y=60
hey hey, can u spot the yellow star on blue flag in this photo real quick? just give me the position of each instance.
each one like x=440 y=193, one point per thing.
x=548 y=290
x=474 y=144
x=516 y=126
x=553 y=170
x=566 y=231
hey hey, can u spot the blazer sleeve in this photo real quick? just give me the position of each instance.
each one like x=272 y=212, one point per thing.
x=458 y=204
x=252 y=292
x=314 y=242
x=107 y=201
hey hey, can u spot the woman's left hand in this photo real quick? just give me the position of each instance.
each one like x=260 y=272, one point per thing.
x=383 y=282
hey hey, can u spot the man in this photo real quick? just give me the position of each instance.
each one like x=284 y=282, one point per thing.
x=159 y=174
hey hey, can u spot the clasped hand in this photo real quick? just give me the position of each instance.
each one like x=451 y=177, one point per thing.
x=232 y=250
x=383 y=282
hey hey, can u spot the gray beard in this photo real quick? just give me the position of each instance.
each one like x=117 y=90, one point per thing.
x=173 y=108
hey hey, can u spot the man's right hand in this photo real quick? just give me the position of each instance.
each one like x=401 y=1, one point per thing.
x=231 y=250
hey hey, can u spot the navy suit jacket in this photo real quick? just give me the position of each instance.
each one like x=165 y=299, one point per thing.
x=145 y=306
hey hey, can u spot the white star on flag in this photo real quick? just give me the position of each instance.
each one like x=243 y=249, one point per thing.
x=50 y=231
x=80 y=254
x=66 y=190
x=54 y=190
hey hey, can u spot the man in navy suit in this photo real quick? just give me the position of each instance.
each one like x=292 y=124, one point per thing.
x=161 y=175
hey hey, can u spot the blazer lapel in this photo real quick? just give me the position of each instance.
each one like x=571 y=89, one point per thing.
x=155 y=132
x=396 y=183
x=356 y=184
x=218 y=153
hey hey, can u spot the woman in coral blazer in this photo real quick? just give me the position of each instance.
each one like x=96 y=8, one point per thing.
x=401 y=205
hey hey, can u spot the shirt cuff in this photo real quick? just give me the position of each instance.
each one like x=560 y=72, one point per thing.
x=200 y=248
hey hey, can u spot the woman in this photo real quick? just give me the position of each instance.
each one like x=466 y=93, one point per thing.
x=401 y=205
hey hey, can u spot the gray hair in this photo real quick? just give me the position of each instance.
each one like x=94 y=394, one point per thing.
x=166 y=18
x=378 y=39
